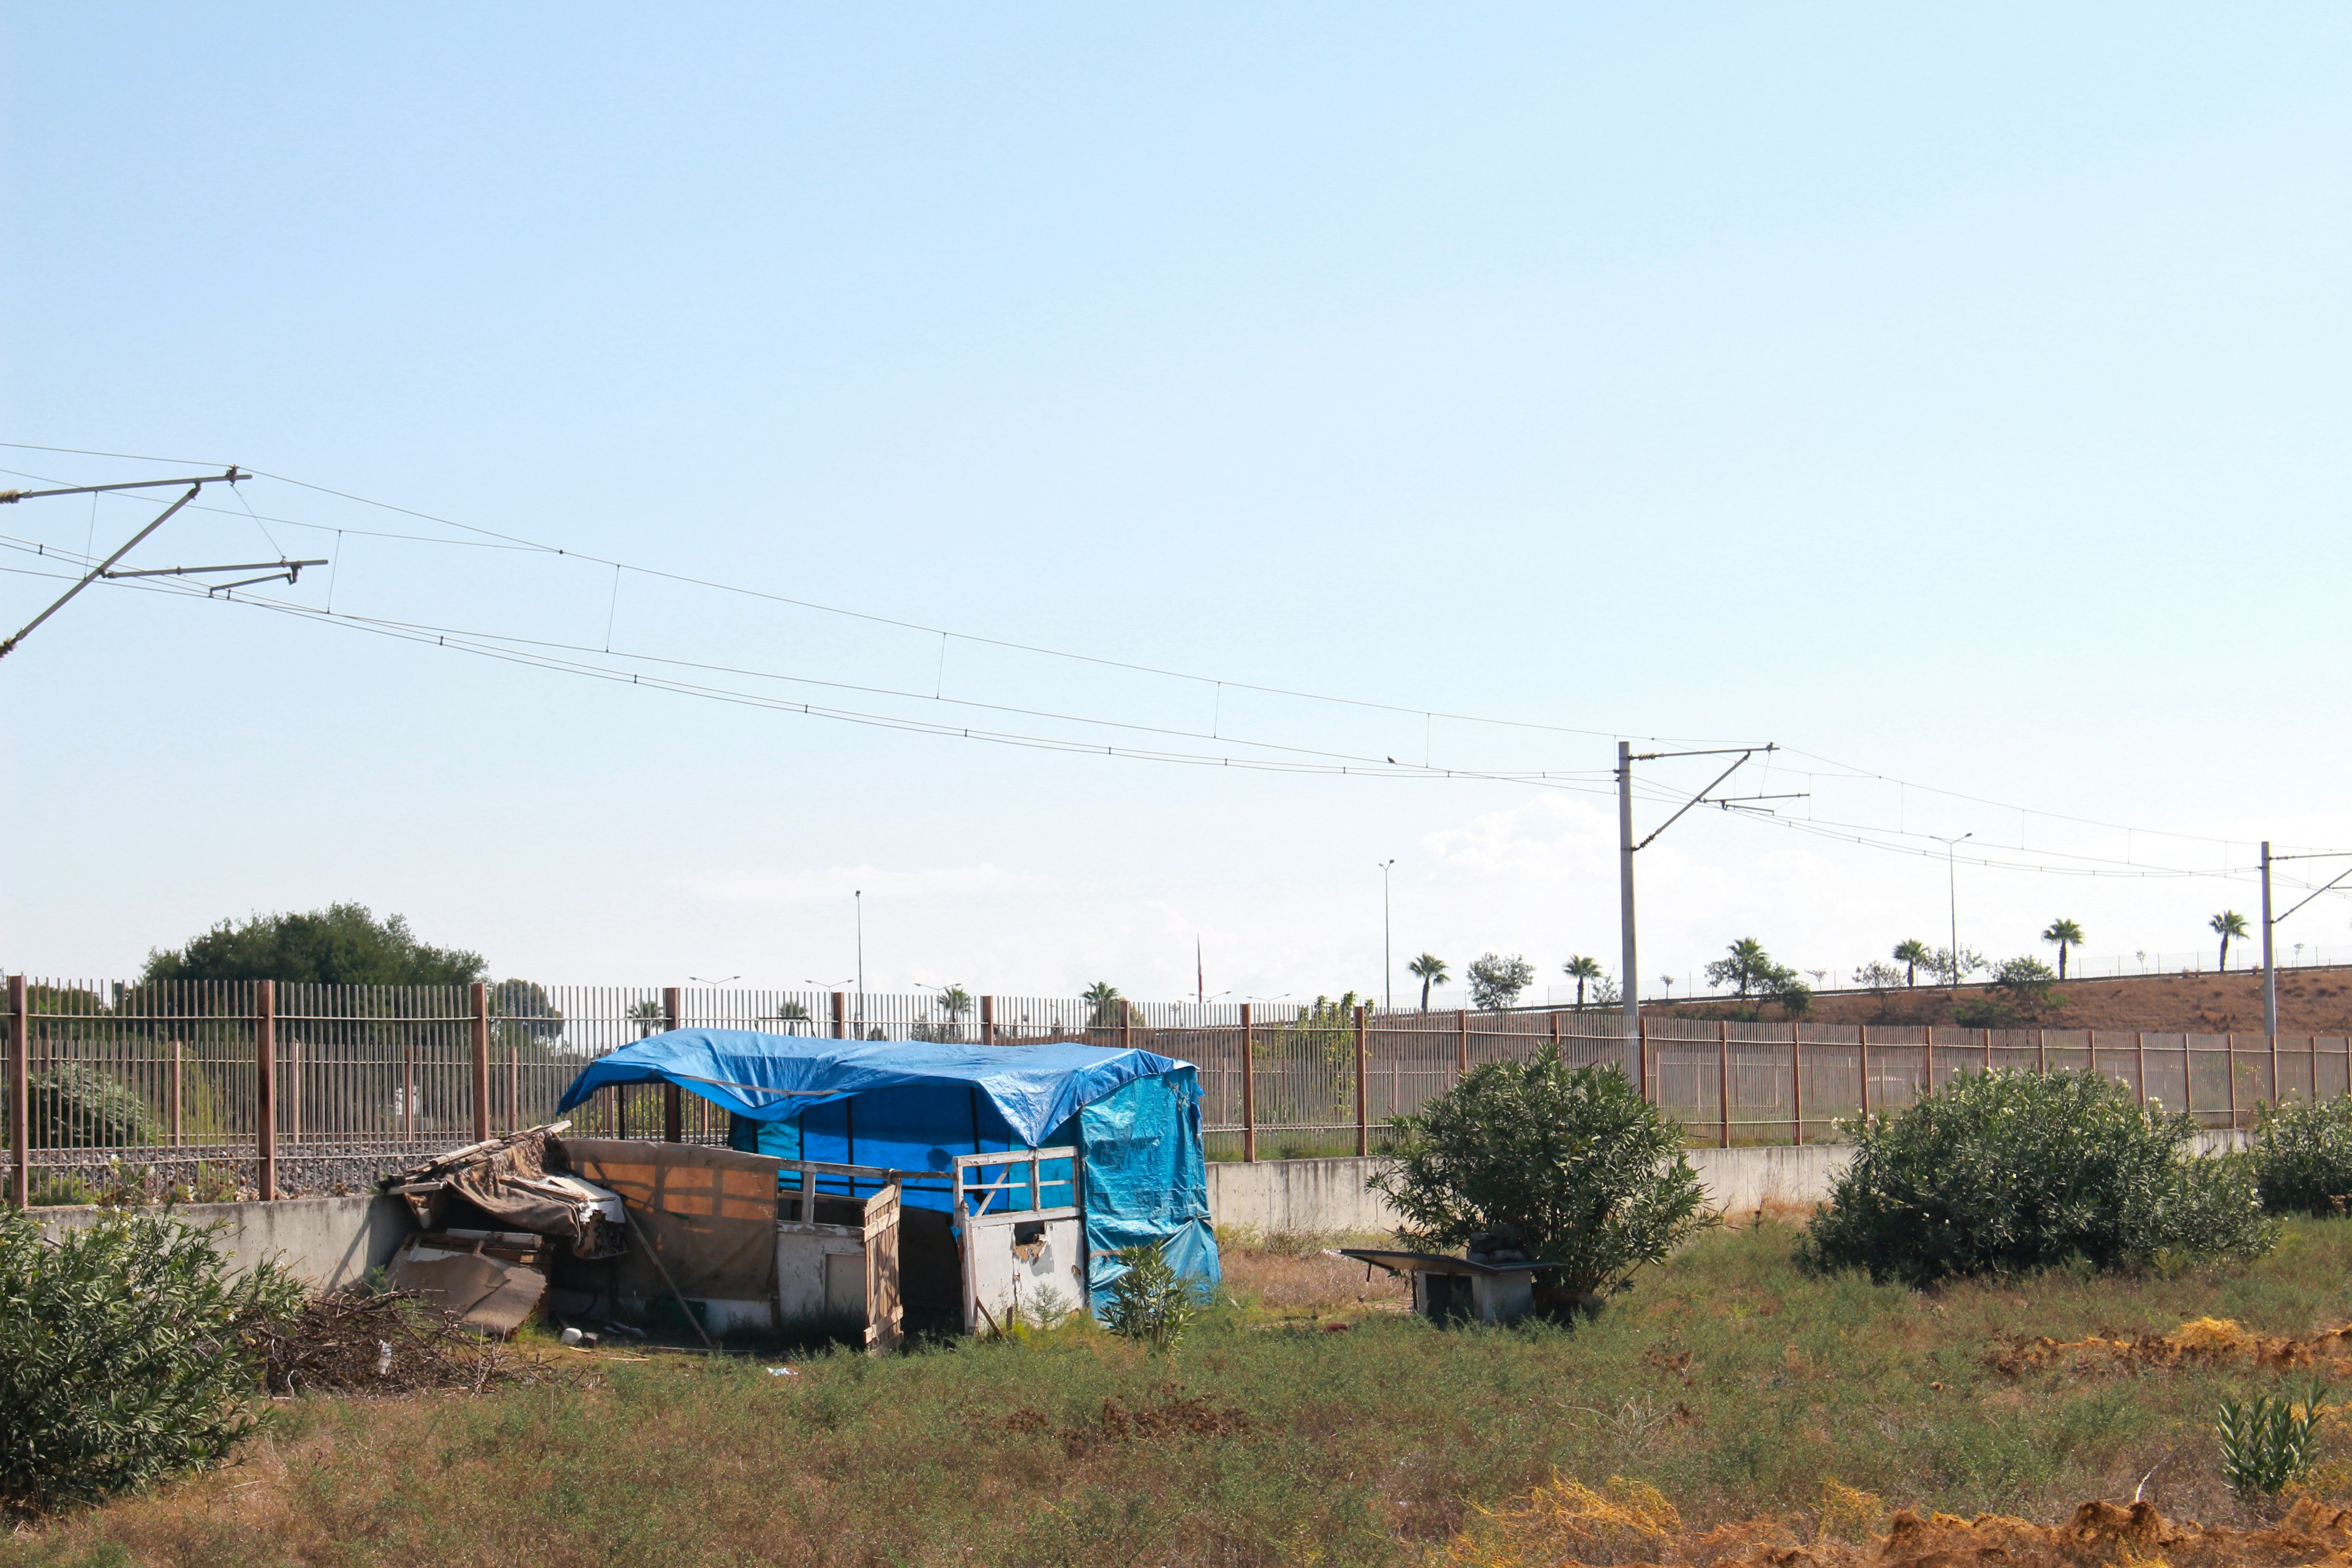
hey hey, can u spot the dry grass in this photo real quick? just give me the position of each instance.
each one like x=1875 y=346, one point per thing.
x=1288 y=1277
x=1722 y=1390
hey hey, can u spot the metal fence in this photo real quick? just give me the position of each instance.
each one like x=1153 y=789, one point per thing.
x=246 y=1079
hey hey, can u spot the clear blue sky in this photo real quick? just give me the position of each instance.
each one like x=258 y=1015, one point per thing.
x=1961 y=395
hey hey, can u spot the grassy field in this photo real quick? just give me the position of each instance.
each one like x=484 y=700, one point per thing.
x=1308 y=1422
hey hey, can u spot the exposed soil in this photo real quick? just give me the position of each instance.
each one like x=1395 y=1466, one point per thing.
x=2311 y=1002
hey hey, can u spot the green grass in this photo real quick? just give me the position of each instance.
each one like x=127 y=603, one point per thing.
x=1728 y=1380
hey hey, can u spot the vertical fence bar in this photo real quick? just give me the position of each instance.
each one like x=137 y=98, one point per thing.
x=1461 y=1044
x=2041 y=1050
x=673 y=1097
x=841 y=1015
x=987 y=1020
x=265 y=1083
x=294 y=1089
x=1363 y=1128
x=1249 y=1087
x=1125 y=1024
x=2139 y=1052
x=20 y=1097
x=1988 y=1053
x=1723 y=1079
x=408 y=1088
x=481 y=1031
x=179 y=1122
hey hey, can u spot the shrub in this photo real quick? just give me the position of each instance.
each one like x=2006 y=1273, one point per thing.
x=71 y=1101
x=1150 y=1301
x=2303 y=1156
x=2007 y=1171
x=124 y=1355
x=1569 y=1163
x=2270 y=1443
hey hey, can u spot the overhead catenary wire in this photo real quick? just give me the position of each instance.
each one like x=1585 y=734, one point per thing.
x=491 y=538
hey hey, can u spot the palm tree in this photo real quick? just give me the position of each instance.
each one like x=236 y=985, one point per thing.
x=1103 y=998
x=1430 y=970
x=1581 y=969
x=650 y=1017
x=1744 y=963
x=1911 y=953
x=2066 y=934
x=2227 y=924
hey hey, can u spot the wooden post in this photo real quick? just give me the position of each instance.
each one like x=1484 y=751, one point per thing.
x=1723 y=1078
x=1249 y=1088
x=1797 y=1080
x=480 y=1032
x=1865 y=1072
x=2139 y=1051
x=20 y=1097
x=1461 y=1044
x=179 y=1124
x=673 y=1097
x=265 y=1086
x=1364 y=1127
x=1125 y=1024
x=1554 y=1031
x=841 y=1015
x=987 y=1020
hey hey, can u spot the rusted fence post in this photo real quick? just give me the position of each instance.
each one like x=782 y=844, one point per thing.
x=479 y=1029
x=1723 y=1078
x=2139 y=1053
x=2229 y=1043
x=1461 y=1044
x=179 y=1123
x=841 y=1015
x=265 y=1084
x=673 y=1097
x=1865 y=1072
x=2041 y=1050
x=987 y=1020
x=1249 y=1087
x=1797 y=1080
x=20 y=1097
x=1125 y=1024
x=1364 y=1127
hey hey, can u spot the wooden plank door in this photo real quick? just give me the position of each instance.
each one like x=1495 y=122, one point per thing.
x=884 y=1307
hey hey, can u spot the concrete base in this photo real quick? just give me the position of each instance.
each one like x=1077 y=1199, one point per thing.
x=1300 y=1197
x=328 y=1242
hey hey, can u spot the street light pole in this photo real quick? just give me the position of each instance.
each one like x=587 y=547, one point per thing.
x=858 y=897
x=1952 y=863
x=1388 y=958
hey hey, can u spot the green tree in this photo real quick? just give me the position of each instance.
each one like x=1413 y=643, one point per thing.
x=1430 y=970
x=1495 y=981
x=1569 y=1163
x=650 y=1017
x=1581 y=970
x=343 y=945
x=1911 y=953
x=1102 y=1000
x=2066 y=934
x=1745 y=966
x=2225 y=925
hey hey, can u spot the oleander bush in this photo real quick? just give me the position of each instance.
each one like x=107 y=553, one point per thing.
x=126 y=1355
x=2006 y=1172
x=2303 y=1156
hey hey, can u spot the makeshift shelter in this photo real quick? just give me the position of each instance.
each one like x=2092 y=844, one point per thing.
x=1102 y=1144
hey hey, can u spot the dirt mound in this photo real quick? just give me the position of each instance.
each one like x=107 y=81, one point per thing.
x=2200 y=1342
x=1566 y=1524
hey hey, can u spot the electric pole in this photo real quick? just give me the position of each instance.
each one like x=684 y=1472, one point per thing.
x=2270 y=969
x=1388 y=959
x=1627 y=848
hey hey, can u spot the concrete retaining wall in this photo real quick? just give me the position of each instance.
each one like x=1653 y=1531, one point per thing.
x=326 y=1241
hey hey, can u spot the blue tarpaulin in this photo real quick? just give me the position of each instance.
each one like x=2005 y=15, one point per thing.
x=913 y=1105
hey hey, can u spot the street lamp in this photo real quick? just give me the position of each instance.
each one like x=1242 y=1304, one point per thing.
x=1387 y=961
x=1952 y=863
